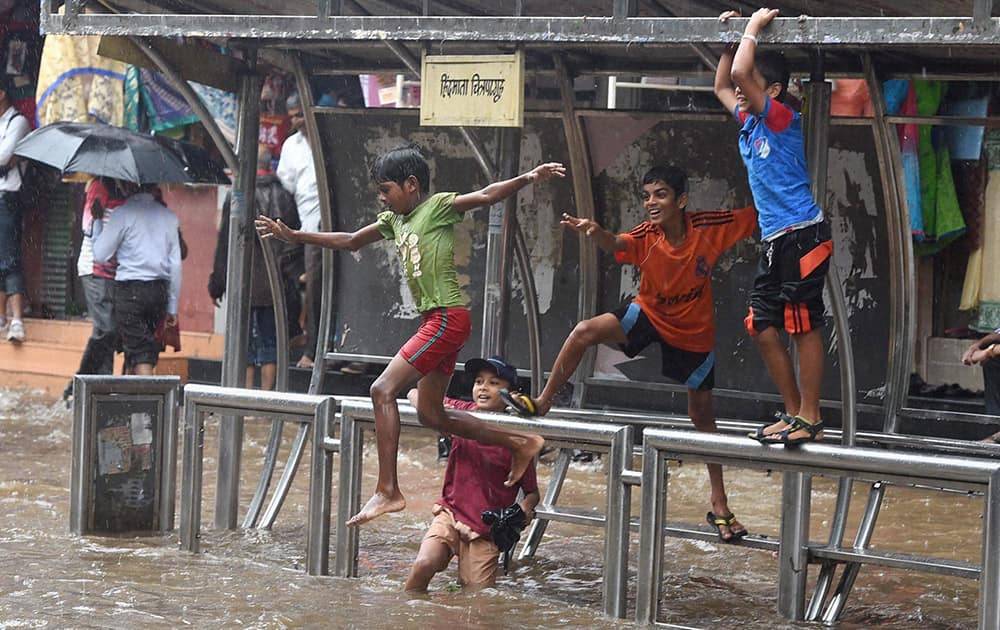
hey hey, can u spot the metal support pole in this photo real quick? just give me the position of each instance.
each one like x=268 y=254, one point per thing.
x=320 y=480
x=168 y=459
x=625 y=8
x=616 y=528
x=989 y=578
x=191 y=482
x=982 y=11
x=499 y=245
x=238 y=302
x=583 y=195
x=348 y=495
x=818 y=94
x=793 y=557
x=650 y=561
x=82 y=460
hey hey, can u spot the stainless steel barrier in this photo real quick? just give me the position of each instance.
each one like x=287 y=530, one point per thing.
x=357 y=416
x=799 y=465
x=233 y=404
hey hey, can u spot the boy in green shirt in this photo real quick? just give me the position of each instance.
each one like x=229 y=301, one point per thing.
x=422 y=227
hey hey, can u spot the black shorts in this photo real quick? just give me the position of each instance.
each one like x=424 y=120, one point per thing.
x=696 y=370
x=788 y=290
x=139 y=307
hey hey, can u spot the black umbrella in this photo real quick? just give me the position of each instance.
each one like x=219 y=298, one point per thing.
x=100 y=149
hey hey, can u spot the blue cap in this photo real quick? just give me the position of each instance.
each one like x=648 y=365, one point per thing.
x=496 y=365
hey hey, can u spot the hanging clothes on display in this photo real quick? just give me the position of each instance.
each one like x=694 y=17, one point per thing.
x=901 y=99
x=970 y=184
x=942 y=216
x=988 y=317
x=75 y=84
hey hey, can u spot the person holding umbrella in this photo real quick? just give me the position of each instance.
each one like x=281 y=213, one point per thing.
x=143 y=235
x=13 y=127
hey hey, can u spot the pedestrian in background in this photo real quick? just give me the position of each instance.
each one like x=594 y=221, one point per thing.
x=13 y=127
x=272 y=200
x=144 y=236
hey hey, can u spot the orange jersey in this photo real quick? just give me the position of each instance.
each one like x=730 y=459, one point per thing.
x=675 y=284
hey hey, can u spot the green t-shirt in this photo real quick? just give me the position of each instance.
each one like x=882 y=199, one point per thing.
x=425 y=239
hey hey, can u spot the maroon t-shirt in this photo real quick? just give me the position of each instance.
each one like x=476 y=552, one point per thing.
x=473 y=480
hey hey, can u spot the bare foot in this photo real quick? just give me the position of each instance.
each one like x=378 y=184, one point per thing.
x=530 y=446
x=378 y=505
x=993 y=439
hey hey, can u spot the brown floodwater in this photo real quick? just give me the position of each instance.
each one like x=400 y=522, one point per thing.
x=255 y=579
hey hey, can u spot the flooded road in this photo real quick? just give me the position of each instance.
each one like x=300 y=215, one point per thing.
x=255 y=579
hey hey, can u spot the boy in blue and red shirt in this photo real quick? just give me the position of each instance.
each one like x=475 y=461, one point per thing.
x=473 y=482
x=788 y=290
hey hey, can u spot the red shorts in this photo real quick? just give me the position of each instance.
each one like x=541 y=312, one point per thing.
x=437 y=343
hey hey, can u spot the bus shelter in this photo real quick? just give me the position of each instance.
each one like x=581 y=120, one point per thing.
x=590 y=103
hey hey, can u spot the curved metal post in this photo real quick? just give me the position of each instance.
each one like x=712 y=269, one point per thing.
x=861 y=540
x=902 y=325
x=325 y=223
x=287 y=476
x=323 y=331
x=280 y=384
x=580 y=167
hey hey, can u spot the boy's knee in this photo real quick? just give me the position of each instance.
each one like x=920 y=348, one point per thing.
x=433 y=417
x=381 y=392
x=584 y=334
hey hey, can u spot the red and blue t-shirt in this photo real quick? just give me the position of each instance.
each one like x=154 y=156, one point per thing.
x=773 y=150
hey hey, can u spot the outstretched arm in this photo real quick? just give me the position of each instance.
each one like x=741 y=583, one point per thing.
x=743 y=62
x=271 y=228
x=498 y=191
x=604 y=239
x=723 y=73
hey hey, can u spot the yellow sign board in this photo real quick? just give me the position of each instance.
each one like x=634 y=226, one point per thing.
x=472 y=90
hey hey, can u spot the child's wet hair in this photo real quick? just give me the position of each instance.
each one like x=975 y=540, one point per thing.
x=400 y=164
x=773 y=66
x=669 y=175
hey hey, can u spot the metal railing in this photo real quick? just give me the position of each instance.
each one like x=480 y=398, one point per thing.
x=357 y=416
x=232 y=404
x=799 y=465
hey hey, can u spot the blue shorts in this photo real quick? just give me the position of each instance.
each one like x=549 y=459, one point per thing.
x=696 y=370
x=262 y=344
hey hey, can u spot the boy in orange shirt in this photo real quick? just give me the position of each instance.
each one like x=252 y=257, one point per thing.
x=674 y=252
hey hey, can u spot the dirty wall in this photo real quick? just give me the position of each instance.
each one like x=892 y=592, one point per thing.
x=375 y=313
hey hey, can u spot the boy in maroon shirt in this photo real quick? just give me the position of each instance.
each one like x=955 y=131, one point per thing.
x=473 y=482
